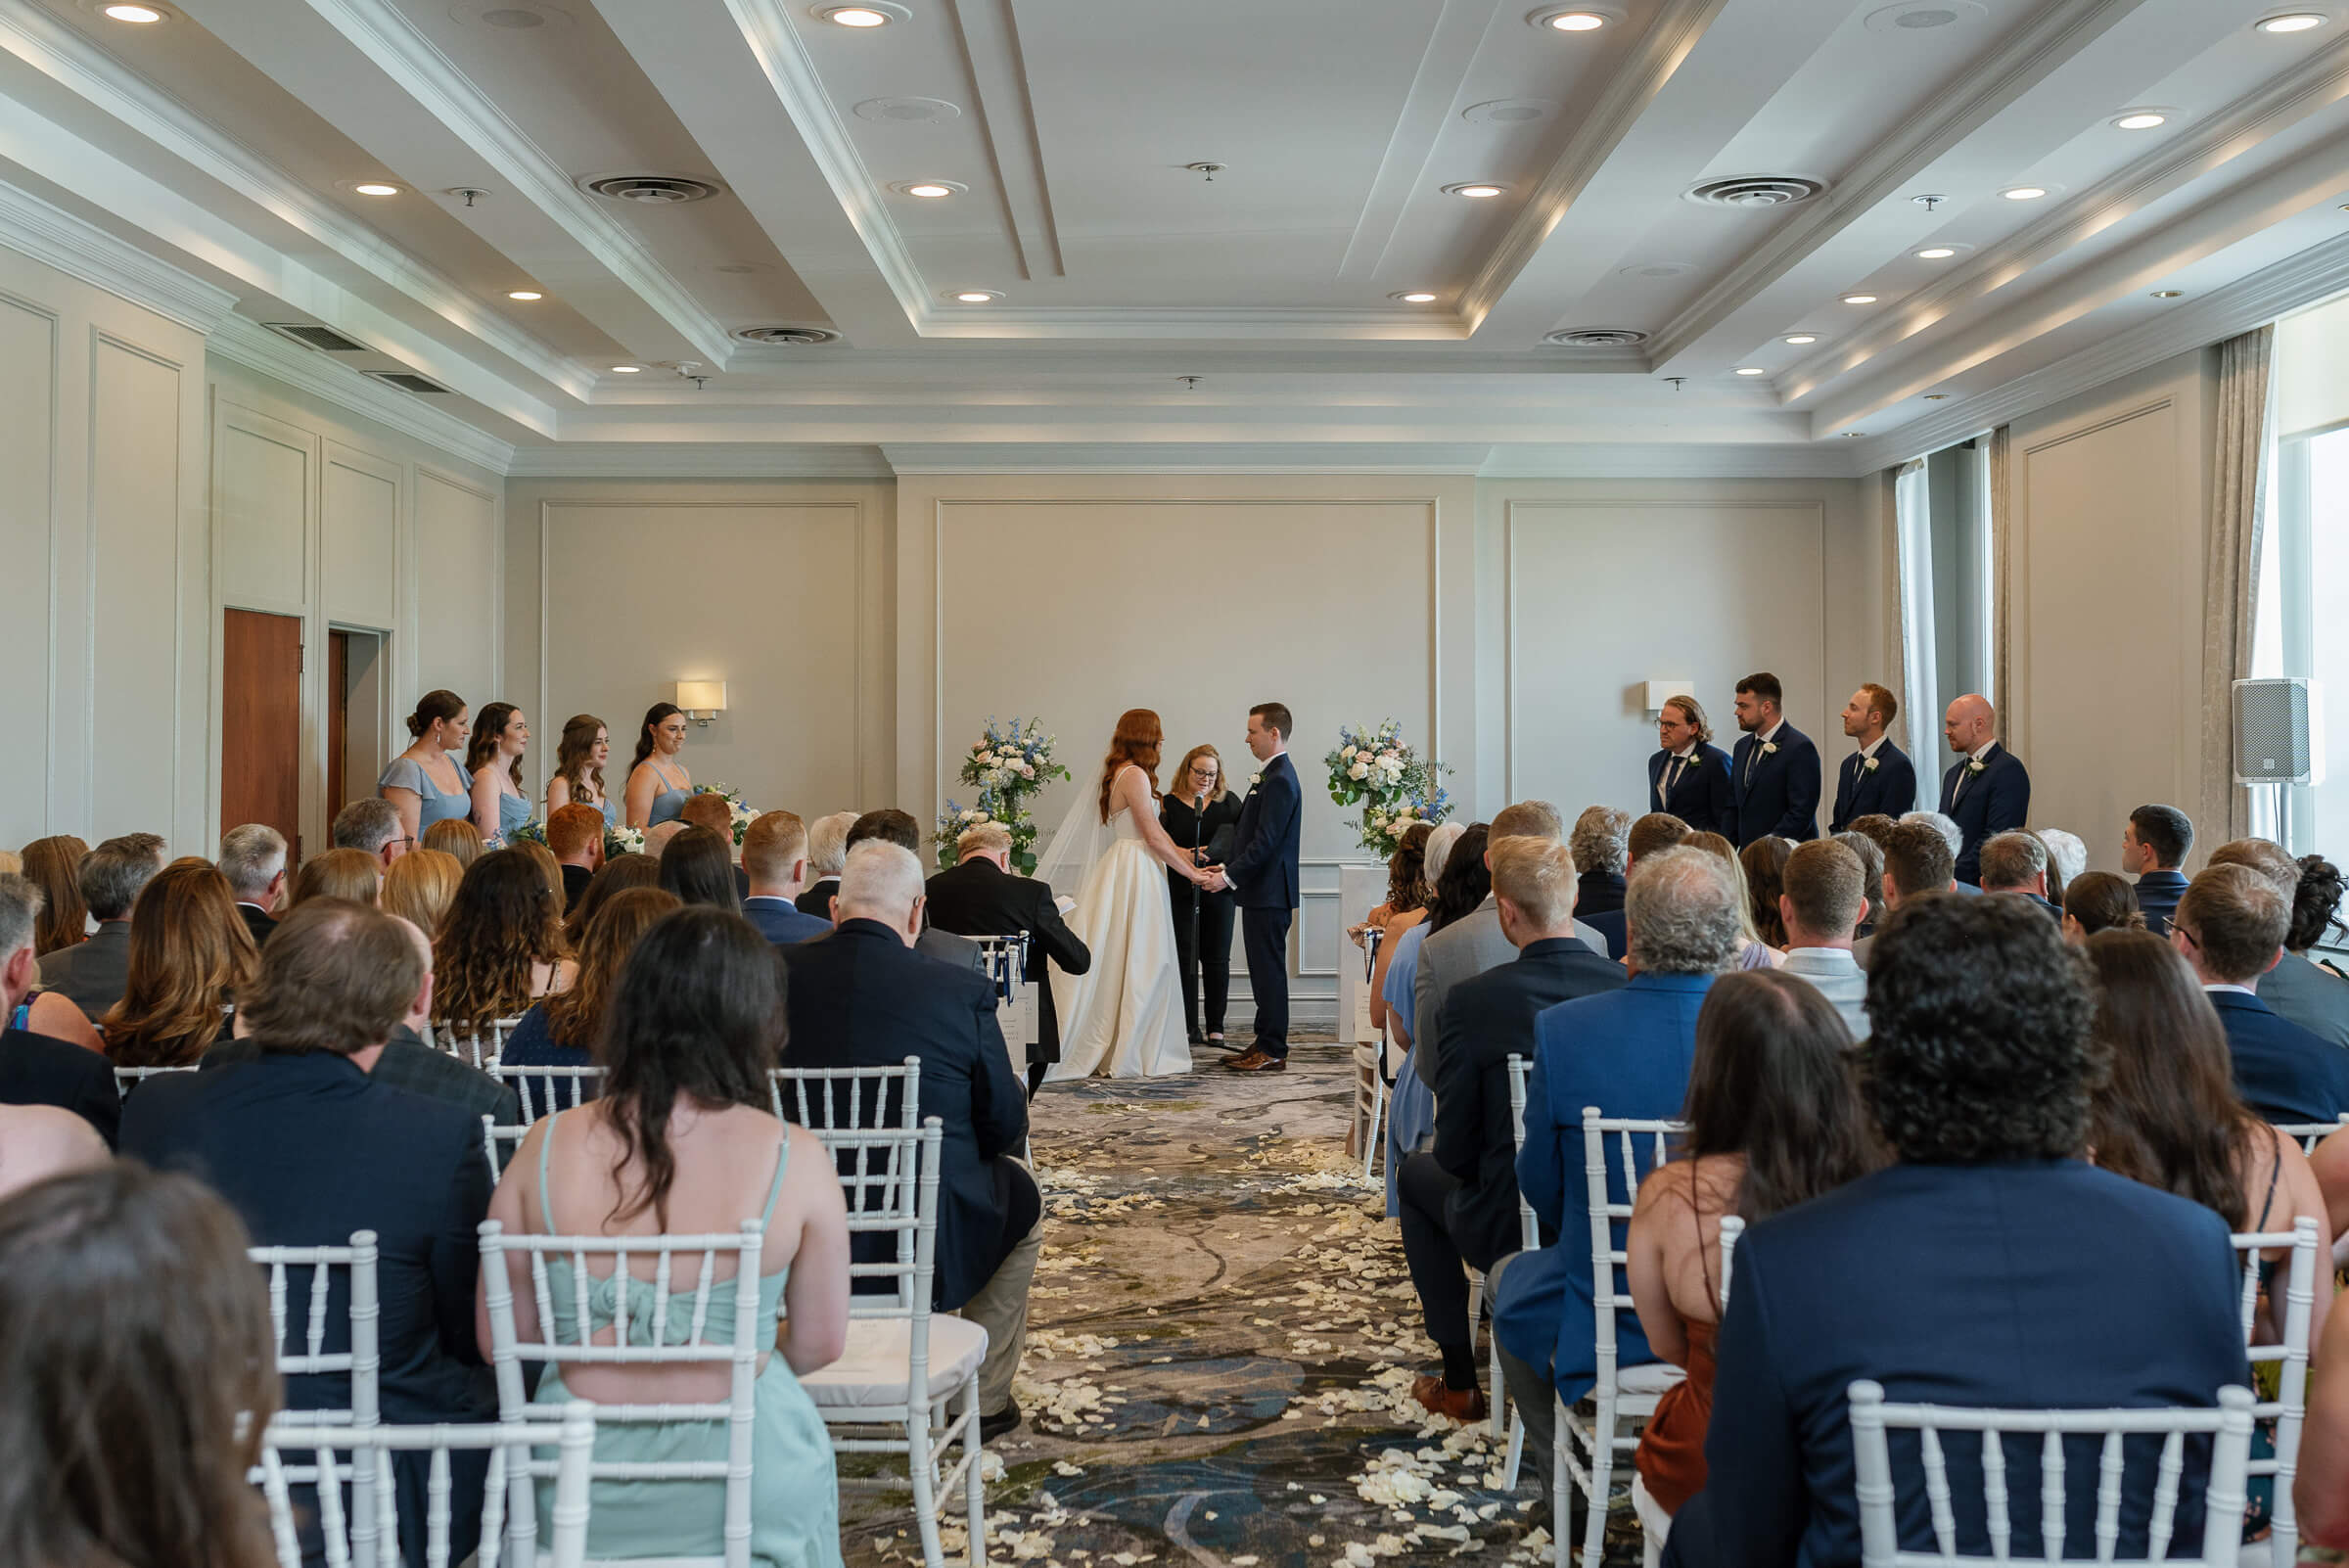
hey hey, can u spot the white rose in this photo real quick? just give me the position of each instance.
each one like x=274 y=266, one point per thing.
x=1359 y=771
x=1348 y=754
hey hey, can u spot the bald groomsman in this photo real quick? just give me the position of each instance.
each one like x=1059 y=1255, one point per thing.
x=1775 y=771
x=1879 y=777
x=1986 y=792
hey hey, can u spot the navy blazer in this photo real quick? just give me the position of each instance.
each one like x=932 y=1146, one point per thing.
x=1997 y=799
x=1264 y=869
x=2158 y=895
x=1609 y=923
x=1701 y=796
x=2034 y=1284
x=860 y=998
x=1776 y=791
x=781 y=921
x=1488 y=1019
x=38 y=1070
x=1889 y=791
x=980 y=899
x=2282 y=1072
x=1626 y=1051
x=1597 y=892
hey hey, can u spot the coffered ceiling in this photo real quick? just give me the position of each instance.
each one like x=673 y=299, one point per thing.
x=1191 y=232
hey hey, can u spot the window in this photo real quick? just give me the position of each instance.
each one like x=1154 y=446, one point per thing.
x=2304 y=563
x=1942 y=515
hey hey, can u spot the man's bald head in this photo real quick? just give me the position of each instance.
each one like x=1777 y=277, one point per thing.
x=1969 y=722
x=40 y=1141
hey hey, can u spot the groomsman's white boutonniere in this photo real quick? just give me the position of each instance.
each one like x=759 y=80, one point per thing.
x=1769 y=748
x=1868 y=766
x=1974 y=764
x=1253 y=779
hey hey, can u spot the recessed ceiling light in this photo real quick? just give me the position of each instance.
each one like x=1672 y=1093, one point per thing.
x=2295 y=21
x=1859 y=298
x=1415 y=296
x=626 y=370
x=523 y=294
x=2024 y=193
x=1476 y=190
x=930 y=191
x=2141 y=120
x=974 y=295
x=1935 y=253
x=1570 y=19
x=864 y=14
x=137 y=14
x=1751 y=370
x=1803 y=337
x=376 y=188
x=2169 y=293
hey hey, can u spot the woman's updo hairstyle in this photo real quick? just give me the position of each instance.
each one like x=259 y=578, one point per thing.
x=653 y=717
x=2316 y=903
x=434 y=708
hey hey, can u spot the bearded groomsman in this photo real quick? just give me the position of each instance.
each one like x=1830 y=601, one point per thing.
x=1879 y=777
x=1774 y=771
x=1986 y=792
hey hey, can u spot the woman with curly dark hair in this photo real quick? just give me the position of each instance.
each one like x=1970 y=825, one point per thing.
x=1990 y=1266
x=2098 y=901
x=501 y=946
x=2302 y=987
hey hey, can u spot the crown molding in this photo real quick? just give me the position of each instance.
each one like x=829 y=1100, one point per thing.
x=1659 y=460
x=256 y=348
x=2314 y=274
x=391 y=43
x=672 y=460
x=54 y=237
x=1252 y=324
x=1186 y=458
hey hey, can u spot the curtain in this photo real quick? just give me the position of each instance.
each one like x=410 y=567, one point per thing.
x=2231 y=570
x=2001 y=650
x=1912 y=549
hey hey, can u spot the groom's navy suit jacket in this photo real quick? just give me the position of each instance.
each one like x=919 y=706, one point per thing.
x=1776 y=791
x=1993 y=801
x=1889 y=791
x=1701 y=796
x=1264 y=873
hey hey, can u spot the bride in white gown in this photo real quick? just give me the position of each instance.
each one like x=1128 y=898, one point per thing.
x=1123 y=1018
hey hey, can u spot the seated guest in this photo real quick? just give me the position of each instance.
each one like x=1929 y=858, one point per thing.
x=455 y=836
x=350 y=875
x=1459 y=1200
x=2016 y=863
x=1687 y=775
x=189 y=1346
x=1658 y=830
x=2105 y=1293
x=620 y=873
x=1819 y=906
x=683 y=1142
x=774 y=860
x=1410 y=901
x=1764 y=863
x=698 y=866
x=1951 y=834
x=307 y=1147
x=575 y=837
x=893 y=826
x=863 y=997
x=372 y=827
x=2298 y=990
x=54 y=865
x=1457 y=884
x=189 y=957
x=1752 y=951
x=827 y=848
x=2230 y=927
x=419 y=887
x=2068 y=857
x=1870 y=855
x=561 y=1031
x=40 y=1141
x=981 y=898
x=1918 y=860
x=656 y=837
x=1628 y=1052
x=35 y=1069
x=2321 y=1496
x=254 y=859
x=91 y=974
x=501 y=946
x=1875 y=824
x=2098 y=901
x=1774 y=1119
x=2154 y=842
x=1600 y=843
x=548 y=867
x=712 y=811
x=1879 y=777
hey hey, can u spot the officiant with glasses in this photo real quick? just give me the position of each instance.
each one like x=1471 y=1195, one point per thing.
x=1200 y=808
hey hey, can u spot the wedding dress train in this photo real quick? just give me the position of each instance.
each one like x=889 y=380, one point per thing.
x=1122 y=1018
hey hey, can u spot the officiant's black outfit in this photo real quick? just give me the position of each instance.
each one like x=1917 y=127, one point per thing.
x=980 y=899
x=1213 y=830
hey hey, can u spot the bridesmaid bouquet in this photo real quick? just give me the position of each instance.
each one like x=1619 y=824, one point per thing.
x=623 y=840
x=742 y=814
x=1006 y=765
x=1396 y=788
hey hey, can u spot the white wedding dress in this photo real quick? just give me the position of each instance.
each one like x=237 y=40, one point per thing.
x=1122 y=1017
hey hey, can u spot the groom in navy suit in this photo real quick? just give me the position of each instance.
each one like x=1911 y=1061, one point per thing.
x=1986 y=791
x=1774 y=771
x=1264 y=873
x=1877 y=779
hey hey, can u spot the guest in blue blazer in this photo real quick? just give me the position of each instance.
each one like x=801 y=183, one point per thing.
x=1657 y=831
x=2230 y=927
x=1877 y=779
x=1774 y=774
x=1688 y=776
x=2154 y=845
x=1628 y=1052
x=775 y=856
x=1986 y=791
x=1992 y=1266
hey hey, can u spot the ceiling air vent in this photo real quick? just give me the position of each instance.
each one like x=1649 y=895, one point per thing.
x=326 y=339
x=650 y=190
x=1595 y=337
x=789 y=336
x=1756 y=191
x=407 y=381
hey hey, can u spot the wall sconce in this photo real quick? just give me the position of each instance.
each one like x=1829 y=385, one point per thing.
x=1658 y=691
x=702 y=699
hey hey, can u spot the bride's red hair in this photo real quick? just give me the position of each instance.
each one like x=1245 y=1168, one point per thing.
x=1136 y=740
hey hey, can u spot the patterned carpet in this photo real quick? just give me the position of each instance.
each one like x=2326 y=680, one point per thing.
x=1220 y=1350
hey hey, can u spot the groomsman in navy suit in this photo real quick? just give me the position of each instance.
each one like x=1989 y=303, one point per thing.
x=1775 y=771
x=1879 y=777
x=1688 y=776
x=1986 y=791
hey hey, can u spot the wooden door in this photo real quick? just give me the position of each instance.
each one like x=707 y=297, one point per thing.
x=261 y=724
x=338 y=719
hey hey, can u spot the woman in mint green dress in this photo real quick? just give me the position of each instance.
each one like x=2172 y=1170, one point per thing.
x=682 y=1142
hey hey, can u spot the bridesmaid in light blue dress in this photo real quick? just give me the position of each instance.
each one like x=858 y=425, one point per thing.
x=579 y=779
x=424 y=782
x=494 y=759
x=658 y=785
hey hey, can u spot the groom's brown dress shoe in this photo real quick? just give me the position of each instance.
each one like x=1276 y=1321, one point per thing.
x=1458 y=1403
x=1254 y=1061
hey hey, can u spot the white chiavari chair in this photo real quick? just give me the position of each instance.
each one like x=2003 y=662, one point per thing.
x=499 y=1144
x=128 y=1078
x=822 y=1099
x=298 y=1330
x=2311 y=1133
x=463 y=1040
x=1655 y=1525
x=545 y=1090
x=2290 y=1357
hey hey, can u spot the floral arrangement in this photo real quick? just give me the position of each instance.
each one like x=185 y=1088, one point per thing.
x=1393 y=784
x=534 y=830
x=1006 y=765
x=623 y=840
x=742 y=814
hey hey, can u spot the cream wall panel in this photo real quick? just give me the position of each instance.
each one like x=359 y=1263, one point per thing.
x=458 y=578
x=359 y=515
x=261 y=487
x=135 y=544
x=27 y=516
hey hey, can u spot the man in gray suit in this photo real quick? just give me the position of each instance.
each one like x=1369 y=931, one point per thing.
x=1474 y=944
x=93 y=974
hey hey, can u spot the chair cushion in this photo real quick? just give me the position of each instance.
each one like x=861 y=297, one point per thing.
x=873 y=1370
x=1648 y=1377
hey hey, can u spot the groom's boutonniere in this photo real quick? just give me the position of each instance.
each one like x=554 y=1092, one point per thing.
x=1868 y=766
x=1974 y=764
